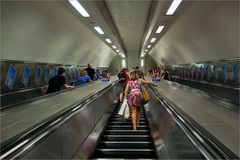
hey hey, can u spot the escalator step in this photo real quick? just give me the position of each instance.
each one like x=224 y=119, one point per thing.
x=125 y=153
x=126 y=127
x=126 y=138
x=126 y=144
x=126 y=123
x=129 y=119
x=127 y=132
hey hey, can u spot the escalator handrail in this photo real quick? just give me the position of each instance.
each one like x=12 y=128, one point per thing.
x=16 y=145
x=34 y=99
x=209 y=140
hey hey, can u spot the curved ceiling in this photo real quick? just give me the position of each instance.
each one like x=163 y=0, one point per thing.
x=130 y=18
x=204 y=31
x=48 y=31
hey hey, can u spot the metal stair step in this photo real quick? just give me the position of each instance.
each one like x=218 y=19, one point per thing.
x=127 y=132
x=126 y=137
x=126 y=144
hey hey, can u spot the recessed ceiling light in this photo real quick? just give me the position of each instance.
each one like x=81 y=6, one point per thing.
x=79 y=8
x=149 y=46
x=123 y=63
x=99 y=30
x=146 y=50
x=117 y=50
x=114 y=47
x=142 y=62
x=153 y=40
x=142 y=55
x=108 y=40
x=123 y=55
x=173 y=7
x=160 y=28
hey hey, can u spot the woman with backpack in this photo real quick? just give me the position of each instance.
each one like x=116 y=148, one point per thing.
x=135 y=96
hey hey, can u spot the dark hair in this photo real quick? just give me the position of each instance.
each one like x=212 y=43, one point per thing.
x=137 y=67
x=124 y=70
x=61 y=70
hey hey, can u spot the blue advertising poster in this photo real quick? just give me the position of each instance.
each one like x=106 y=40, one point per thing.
x=11 y=76
x=55 y=71
x=47 y=74
x=215 y=72
x=235 y=69
x=26 y=76
x=224 y=72
x=38 y=75
x=207 y=72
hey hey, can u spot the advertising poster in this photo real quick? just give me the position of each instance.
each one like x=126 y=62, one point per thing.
x=11 y=76
x=215 y=72
x=47 y=74
x=55 y=71
x=38 y=75
x=26 y=76
x=224 y=72
x=235 y=69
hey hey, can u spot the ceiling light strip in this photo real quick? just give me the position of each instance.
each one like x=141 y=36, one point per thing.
x=99 y=30
x=173 y=7
x=79 y=8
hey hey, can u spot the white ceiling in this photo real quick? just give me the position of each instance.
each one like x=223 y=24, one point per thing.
x=204 y=31
x=130 y=18
x=49 y=31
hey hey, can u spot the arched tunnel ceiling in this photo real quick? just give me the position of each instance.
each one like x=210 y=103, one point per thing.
x=48 y=31
x=204 y=31
x=130 y=18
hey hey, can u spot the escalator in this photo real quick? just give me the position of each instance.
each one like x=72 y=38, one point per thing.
x=120 y=141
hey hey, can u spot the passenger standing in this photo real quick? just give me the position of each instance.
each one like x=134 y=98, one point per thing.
x=135 y=97
x=91 y=72
x=57 y=82
x=123 y=78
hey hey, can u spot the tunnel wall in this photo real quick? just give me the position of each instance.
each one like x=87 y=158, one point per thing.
x=115 y=66
x=204 y=31
x=49 y=32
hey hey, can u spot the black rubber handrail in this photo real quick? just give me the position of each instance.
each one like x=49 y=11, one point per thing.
x=19 y=143
x=209 y=140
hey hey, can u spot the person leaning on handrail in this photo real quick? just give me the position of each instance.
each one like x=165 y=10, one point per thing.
x=57 y=82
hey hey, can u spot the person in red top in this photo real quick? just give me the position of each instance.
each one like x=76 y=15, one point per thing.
x=123 y=77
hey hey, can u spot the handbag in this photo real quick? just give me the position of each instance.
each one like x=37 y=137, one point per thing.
x=126 y=112
x=122 y=108
x=146 y=96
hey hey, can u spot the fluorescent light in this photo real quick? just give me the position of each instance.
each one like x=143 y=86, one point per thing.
x=142 y=55
x=173 y=7
x=142 y=62
x=153 y=40
x=108 y=40
x=99 y=30
x=123 y=63
x=160 y=28
x=79 y=8
x=123 y=55
x=117 y=50
x=149 y=46
x=114 y=47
